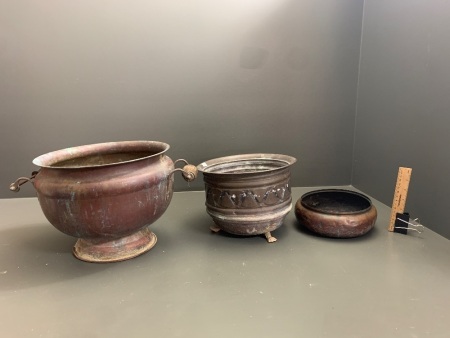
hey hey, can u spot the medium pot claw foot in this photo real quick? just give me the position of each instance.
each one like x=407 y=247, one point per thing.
x=269 y=237
x=214 y=228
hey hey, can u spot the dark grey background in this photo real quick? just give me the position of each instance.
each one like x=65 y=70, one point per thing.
x=403 y=112
x=211 y=78
x=215 y=78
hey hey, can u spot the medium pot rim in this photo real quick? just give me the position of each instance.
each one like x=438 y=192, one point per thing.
x=224 y=165
x=51 y=159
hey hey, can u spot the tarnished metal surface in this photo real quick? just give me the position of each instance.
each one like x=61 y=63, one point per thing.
x=189 y=171
x=99 y=250
x=106 y=194
x=15 y=186
x=248 y=194
x=336 y=213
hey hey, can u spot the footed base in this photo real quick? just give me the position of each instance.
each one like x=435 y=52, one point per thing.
x=268 y=235
x=120 y=249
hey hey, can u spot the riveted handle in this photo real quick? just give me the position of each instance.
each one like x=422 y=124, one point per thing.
x=189 y=171
x=15 y=186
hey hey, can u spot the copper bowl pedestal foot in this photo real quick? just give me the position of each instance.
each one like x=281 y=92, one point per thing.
x=119 y=249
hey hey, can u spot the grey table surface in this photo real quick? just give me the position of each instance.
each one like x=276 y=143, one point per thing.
x=195 y=283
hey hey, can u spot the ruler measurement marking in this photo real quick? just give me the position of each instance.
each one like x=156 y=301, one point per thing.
x=400 y=194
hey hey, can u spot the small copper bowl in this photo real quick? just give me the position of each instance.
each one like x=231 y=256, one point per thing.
x=336 y=213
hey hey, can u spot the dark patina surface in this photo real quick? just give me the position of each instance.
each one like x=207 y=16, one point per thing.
x=336 y=213
x=106 y=195
x=248 y=194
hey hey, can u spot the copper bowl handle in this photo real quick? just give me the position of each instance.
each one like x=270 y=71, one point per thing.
x=189 y=171
x=22 y=180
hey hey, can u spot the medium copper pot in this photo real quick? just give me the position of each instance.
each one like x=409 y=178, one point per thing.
x=106 y=195
x=248 y=194
x=336 y=213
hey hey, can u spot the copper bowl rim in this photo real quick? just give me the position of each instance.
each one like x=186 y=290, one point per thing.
x=51 y=159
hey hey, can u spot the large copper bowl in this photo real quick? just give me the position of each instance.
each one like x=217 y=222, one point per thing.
x=106 y=195
x=248 y=194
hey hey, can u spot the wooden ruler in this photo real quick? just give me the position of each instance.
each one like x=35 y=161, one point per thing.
x=400 y=194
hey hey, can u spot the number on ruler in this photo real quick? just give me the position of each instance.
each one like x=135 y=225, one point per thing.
x=400 y=194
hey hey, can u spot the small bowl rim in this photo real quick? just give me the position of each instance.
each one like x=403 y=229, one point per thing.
x=345 y=191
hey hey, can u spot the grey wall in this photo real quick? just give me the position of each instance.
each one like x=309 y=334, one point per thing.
x=215 y=78
x=211 y=78
x=403 y=112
